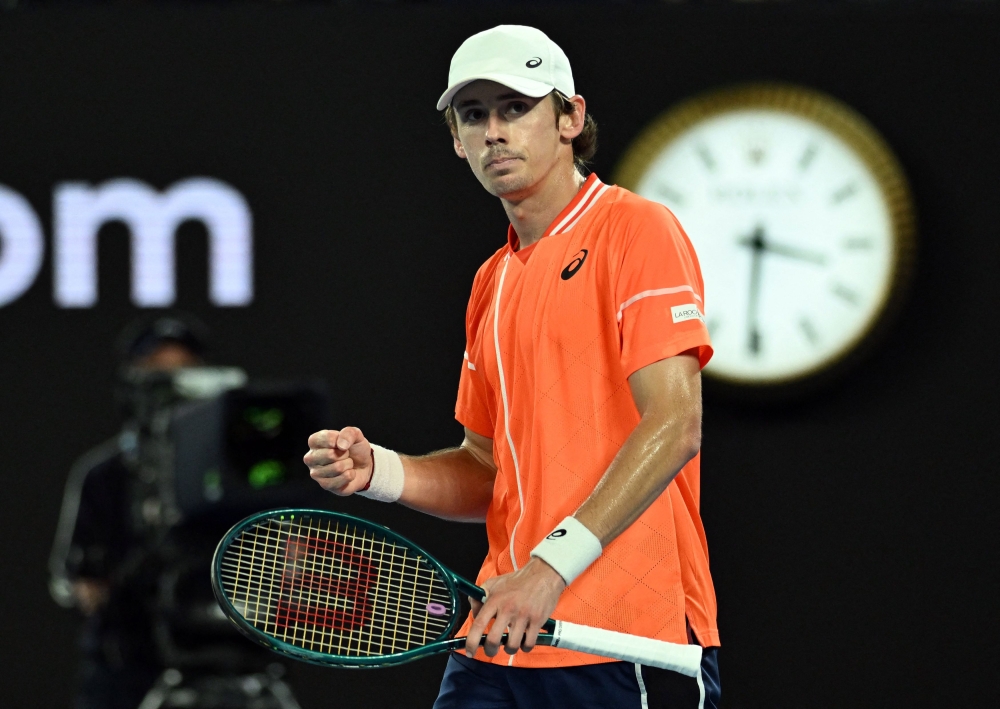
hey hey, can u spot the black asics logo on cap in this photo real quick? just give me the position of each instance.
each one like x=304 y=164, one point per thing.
x=556 y=534
x=533 y=63
x=574 y=265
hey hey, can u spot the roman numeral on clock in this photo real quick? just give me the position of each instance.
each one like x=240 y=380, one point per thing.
x=669 y=194
x=807 y=157
x=846 y=294
x=858 y=243
x=706 y=156
x=848 y=190
x=809 y=330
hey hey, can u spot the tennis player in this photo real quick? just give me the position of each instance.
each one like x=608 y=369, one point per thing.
x=580 y=394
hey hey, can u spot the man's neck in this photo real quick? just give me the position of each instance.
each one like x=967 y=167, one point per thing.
x=531 y=215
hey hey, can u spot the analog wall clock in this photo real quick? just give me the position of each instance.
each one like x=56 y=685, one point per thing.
x=802 y=220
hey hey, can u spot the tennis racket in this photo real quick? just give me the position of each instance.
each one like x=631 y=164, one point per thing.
x=336 y=590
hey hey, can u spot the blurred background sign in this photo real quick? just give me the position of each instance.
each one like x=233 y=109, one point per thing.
x=152 y=219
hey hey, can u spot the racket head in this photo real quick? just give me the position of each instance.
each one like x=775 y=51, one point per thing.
x=333 y=589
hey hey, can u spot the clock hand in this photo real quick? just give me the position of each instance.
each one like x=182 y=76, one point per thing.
x=785 y=250
x=757 y=243
x=796 y=253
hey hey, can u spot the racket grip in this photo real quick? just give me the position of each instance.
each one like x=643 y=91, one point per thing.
x=685 y=659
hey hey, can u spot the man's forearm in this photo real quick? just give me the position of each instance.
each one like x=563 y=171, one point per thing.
x=668 y=435
x=454 y=484
x=650 y=459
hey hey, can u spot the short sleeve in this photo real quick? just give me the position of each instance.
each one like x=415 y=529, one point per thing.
x=473 y=408
x=659 y=290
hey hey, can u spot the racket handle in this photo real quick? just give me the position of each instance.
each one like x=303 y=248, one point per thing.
x=685 y=659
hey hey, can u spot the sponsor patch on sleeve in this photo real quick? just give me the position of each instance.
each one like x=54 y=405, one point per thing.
x=682 y=313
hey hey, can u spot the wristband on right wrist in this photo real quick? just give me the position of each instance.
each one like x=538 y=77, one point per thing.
x=387 y=484
x=370 y=477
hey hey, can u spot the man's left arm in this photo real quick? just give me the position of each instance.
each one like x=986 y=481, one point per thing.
x=667 y=394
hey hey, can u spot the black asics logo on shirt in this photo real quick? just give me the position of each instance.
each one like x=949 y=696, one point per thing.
x=574 y=265
x=556 y=534
x=533 y=63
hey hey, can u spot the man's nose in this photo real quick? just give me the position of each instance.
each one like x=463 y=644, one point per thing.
x=494 y=129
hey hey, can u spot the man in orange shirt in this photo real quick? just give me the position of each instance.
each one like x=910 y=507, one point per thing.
x=580 y=395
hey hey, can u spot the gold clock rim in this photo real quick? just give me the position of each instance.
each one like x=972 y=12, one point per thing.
x=848 y=125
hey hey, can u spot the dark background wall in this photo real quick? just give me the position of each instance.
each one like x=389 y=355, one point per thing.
x=852 y=533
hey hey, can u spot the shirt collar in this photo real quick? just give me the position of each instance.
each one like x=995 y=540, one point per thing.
x=566 y=216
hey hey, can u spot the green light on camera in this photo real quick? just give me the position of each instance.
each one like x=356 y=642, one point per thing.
x=266 y=473
x=212 y=485
x=264 y=420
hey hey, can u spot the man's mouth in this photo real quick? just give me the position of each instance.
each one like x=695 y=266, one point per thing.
x=501 y=161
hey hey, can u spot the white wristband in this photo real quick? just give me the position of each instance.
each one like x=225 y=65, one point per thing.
x=569 y=549
x=387 y=476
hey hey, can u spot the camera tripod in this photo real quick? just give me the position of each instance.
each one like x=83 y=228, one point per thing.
x=262 y=690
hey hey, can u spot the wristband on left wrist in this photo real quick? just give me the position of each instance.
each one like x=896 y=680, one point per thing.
x=569 y=549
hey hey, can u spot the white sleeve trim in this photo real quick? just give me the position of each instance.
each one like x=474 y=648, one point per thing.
x=658 y=291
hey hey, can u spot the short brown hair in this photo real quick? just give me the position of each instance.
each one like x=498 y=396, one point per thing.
x=584 y=145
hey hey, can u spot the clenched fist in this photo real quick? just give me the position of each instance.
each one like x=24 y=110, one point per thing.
x=340 y=461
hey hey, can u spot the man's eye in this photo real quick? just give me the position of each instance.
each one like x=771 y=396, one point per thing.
x=472 y=115
x=517 y=108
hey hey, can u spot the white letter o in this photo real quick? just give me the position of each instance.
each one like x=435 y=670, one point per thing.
x=22 y=245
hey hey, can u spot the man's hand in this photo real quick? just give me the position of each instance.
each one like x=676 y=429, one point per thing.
x=340 y=461
x=520 y=603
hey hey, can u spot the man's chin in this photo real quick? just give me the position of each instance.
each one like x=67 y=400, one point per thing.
x=504 y=185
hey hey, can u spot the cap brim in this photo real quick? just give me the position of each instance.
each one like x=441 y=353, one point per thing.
x=528 y=87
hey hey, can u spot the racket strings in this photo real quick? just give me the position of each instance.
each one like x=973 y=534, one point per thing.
x=336 y=589
x=292 y=616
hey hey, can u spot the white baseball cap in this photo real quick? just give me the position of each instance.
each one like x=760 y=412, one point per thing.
x=523 y=58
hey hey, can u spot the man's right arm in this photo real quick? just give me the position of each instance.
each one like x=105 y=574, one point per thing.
x=454 y=484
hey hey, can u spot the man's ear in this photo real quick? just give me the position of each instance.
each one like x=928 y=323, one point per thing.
x=571 y=124
x=459 y=148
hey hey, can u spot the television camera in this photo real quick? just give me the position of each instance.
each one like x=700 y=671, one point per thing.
x=206 y=447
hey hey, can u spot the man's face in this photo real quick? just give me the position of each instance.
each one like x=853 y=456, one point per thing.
x=511 y=141
x=167 y=357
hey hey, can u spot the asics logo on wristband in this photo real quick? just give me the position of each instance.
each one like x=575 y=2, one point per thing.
x=556 y=534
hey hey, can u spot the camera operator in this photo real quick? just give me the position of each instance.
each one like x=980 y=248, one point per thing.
x=96 y=536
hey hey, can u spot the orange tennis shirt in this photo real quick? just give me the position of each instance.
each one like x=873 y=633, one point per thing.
x=553 y=333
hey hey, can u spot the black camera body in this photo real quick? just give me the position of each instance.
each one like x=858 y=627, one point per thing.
x=206 y=448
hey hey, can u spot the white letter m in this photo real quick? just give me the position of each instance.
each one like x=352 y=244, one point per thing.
x=152 y=219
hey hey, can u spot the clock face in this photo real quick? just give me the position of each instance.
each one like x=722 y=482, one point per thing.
x=797 y=235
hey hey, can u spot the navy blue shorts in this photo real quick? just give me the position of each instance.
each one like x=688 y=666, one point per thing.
x=471 y=684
